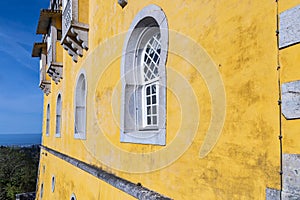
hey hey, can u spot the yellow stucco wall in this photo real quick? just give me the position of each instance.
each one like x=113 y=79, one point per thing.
x=239 y=37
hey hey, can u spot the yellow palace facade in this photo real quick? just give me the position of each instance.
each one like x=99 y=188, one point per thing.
x=169 y=99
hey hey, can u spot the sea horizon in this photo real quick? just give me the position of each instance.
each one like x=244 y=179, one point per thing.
x=20 y=139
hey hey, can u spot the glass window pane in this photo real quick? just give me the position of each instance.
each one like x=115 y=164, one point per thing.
x=154 y=99
x=148 y=101
x=148 y=120
x=153 y=89
x=148 y=110
x=148 y=90
x=154 y=120
x=154 y=110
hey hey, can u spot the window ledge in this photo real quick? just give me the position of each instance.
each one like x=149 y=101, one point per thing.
x=80 y=136
x=153 y=137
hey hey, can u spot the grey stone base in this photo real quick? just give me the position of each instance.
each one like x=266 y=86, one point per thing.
x=291 y=180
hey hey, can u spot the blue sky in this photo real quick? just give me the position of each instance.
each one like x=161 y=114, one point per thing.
x=20 y=97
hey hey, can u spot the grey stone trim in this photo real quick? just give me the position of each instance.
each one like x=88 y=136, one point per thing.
x=152 y=14
x=291 y=174
x=272 y=194
x=58 y=111
x=290 y=95
x=290 y=196
x=81 y=135
x=74 y=33
x=55 y=71
x=289 y=33
x=135 y=190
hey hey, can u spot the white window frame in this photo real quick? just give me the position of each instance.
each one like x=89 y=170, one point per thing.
x=80 y=97
x=73 y=197
x=134 y=129
x=58 y=115
x=48 y=120
x=42 y=191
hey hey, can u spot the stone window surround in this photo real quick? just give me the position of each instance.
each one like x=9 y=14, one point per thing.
x=58 y=113
x=42 y=191
x=155 y=137
x=73 y=197
x=81 y=136
x=53 y=183
x=48 y=120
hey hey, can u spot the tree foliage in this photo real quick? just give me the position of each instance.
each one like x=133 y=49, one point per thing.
x=18 y=170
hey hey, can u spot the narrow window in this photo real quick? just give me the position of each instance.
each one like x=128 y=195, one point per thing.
x=53 y=183
x=48 y=120
x=80 y=107
x=73 y=197
x=58 y=115
x=42 y=190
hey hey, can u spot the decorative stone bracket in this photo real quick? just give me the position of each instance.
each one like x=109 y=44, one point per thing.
x=55 y=71
x=74 y=33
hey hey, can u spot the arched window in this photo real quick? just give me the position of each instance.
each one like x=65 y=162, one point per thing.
x=143 y=73
x=73 y=197
x=42 y=190
x=53 y=183
x=48 y=120
x=80 y=106
x=58 y=116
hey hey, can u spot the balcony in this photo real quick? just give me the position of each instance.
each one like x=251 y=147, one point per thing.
x=74 y=33
x=50 y=26
x=39 y=50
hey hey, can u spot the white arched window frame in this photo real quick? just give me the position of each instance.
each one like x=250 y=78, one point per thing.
x=80 y=106
x=48 y=120
x=42 y=191
x=53 y=183
x=58 y=115
x=73 y=197
x=143 y=74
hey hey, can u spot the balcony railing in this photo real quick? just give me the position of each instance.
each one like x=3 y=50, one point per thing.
x=67 y=18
